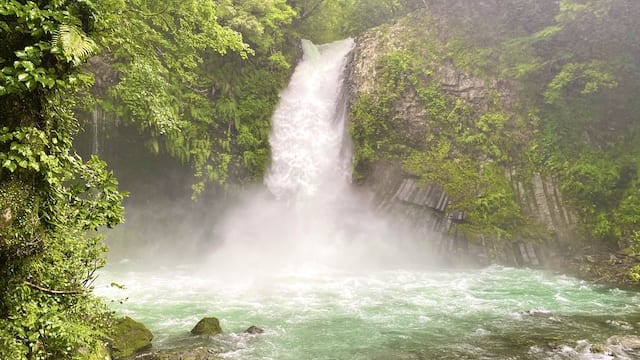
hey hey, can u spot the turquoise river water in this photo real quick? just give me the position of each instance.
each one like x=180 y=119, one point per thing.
x=490 y=313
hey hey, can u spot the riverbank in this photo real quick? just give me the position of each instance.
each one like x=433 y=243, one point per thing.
x=604 y=268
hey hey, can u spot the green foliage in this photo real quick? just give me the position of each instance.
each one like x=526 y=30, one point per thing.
x=368 y=132
x=38 y=45
x=377 y=139
x=583 y=86
x=19 y=223
x=323 y=21
x=634 y=274
x=580 y=79
x=604 y=192
x=51 y=201
x=361 y=15
x=464 y=145
x=627 y=218
x=481 y=191
x=201 y=79
x=592 y=181
x=365 y=14
x=74 y=43
x=575 y=115
x=320 y=21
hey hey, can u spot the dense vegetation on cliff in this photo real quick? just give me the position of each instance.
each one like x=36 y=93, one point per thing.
x=210 y=108
x=558 y=95
x=51 y=201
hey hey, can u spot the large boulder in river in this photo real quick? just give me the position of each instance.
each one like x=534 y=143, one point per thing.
x=129 y=337
x=207 y=326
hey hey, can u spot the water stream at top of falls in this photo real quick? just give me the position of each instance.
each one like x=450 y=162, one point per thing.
x=328 y=278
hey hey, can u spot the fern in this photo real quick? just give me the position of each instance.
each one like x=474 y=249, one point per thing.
x=75 y=45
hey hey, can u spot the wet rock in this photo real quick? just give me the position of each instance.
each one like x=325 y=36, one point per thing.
x=129 y=337
x=539 y=313
x=199 y=353
x=598 y=348
x=100 y=351
x=207 y=326
x=631 y=342
x=254 y=330
x=620 y=324
x=6 y=217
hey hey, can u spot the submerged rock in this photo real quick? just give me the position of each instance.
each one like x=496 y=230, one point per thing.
x=207 y=326
x=599 y=348
x=129 y=337
x=199 y=353
x=631 y=342
x=539 y=313
x=254 y=330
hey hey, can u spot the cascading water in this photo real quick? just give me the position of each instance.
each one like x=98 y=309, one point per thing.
x=329 y=279
x=309 y=127
x=315 y=222
x=95 y=128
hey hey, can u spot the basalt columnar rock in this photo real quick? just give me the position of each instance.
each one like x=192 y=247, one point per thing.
x=433 y=96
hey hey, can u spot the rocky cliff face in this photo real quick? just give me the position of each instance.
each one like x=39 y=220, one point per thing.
x=426 y=204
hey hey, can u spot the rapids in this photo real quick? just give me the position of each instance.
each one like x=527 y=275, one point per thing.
x=491 y=313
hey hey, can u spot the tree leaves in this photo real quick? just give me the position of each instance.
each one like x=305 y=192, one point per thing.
x=580 y=79
x=75 y=44
x=192 y=73
x=53 y=196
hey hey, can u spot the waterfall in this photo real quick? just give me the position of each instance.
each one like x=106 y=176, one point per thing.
x=95 y=119
x=308 y=129
x=311 y=220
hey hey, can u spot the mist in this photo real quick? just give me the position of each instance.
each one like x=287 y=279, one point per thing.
x=306 y=218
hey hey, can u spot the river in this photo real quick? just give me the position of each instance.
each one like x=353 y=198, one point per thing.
x=490 y=313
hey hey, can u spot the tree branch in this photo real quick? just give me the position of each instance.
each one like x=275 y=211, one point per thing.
x=150 y=14
x=54 y=292
x=308 y=12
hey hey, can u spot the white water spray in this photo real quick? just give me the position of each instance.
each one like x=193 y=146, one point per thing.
x=308 y=126
x=315 y=223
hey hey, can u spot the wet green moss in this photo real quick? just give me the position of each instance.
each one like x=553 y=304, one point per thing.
x=129 y=337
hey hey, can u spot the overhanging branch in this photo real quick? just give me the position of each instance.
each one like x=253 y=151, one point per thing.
x=54 y=292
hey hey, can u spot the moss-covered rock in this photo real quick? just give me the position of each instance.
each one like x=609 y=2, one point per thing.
x=207 y=326
x=20 y=228
x=199 y=353
x=99 y=352
x=129 y=337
